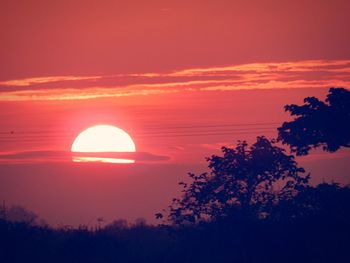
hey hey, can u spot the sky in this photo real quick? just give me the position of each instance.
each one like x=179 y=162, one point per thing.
x=183 y=78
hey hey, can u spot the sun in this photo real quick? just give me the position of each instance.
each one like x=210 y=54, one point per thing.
x=103 y=139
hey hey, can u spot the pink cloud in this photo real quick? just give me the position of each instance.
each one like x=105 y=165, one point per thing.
x=282 y=75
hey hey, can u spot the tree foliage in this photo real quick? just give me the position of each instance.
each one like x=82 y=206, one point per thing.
x=329 y=201
x=244 y=181
x=318 y=124
x=18 y=213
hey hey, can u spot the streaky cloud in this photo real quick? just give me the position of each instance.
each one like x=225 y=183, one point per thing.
x=273 y=75
x=66 y=156
x=44 y=80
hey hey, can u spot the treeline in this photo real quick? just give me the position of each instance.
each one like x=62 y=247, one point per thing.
x=297 y=232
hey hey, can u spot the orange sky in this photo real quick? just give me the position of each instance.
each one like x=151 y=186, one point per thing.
x=182 y=78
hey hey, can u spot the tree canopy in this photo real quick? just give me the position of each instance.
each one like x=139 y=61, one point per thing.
x=318 y=124
x=244 y=181
x=255 y=181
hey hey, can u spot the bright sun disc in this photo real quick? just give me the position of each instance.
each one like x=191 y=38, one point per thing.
x=102 y=138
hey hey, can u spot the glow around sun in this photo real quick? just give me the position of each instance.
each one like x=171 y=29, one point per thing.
x=103 y=139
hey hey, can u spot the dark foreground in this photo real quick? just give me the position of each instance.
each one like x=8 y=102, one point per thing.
x=316 y=230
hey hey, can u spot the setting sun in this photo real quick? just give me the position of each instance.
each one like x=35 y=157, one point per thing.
x=103 y=139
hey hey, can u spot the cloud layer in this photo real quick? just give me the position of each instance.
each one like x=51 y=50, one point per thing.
x=64 y=156
x=282 y=75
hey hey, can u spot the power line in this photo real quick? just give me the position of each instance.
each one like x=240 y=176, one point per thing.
x=12 y=132
x=217 y=125
x=156 y=135
x=206 y=134
x=142 y=133
x=170 y=131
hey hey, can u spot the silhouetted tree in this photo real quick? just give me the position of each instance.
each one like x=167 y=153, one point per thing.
x=245 y=181
x=323 y=202
x=18 y=213
x=140 y=222
x=118 y=224
x=318 y=123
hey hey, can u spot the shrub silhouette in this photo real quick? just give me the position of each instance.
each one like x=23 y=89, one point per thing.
x=16 y=213
x=318 y=124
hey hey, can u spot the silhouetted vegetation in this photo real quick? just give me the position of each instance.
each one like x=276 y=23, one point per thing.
x=254 y=205
x=20 y=214
x=245 y=181
x=313 y=226
x=318 y=123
